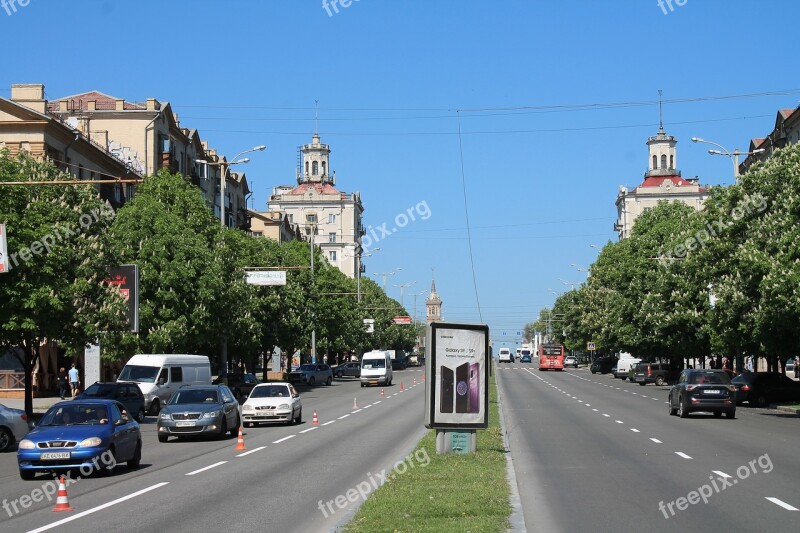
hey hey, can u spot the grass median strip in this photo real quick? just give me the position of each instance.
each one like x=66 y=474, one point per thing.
x=452 y=493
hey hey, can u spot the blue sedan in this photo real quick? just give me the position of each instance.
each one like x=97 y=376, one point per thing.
x=90 y=435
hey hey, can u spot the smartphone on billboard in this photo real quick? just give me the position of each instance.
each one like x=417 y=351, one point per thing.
x=474 y=388
x=462 y=388
x=446 y=390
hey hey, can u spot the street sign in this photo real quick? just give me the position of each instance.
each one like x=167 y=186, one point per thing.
x=402 y=320
x=369 y=325
x=590 y=346
x=266 y=278
x=3 y=250
x=126 y=279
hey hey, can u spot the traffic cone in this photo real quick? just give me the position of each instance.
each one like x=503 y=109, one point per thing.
x=240 y=441
x=314 y=419
x=401 y=387
x=355 y=405
x=62 y=504
x=414 y=383
x=382 y=393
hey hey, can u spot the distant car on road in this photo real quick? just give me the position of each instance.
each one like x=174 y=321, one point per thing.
x=81 y=434
x=239 y=384
x=526 y=358
x=505 y=356
x=352 y=369
x=13 y=426
x=571 y=360
x=763 y=388
x=658 y=373
x=703 y=390
x=196 y=410
x=128 y=394
x=272 y=402
x=603 y=365
x=311 y=374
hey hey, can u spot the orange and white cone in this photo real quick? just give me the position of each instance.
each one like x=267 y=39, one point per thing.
x=240 y=441
x=314 y=419
x=355 y=405
x=62 y=503
x=382 y=394
x=402 y=388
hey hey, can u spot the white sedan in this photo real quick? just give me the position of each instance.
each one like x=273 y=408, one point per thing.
x=571 y=360
x=13 y=426
x=272 y=402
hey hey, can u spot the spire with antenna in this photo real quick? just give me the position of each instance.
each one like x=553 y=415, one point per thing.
x=660 y=114
x=316 y=117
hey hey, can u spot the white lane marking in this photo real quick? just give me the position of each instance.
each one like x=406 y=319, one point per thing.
x=635 y=430
x=588 y=405
x=618 y=421
x=331 y=422
x=681 y=454
x=593 y=409
x=251 y=451
x=287 y=438
x=354 y=412
x=606 y=415
x=343 y=416
x=643 y=396
x=367 y=406
x=98 y=508
x=307 y=430
x=395 y=394
x=721 y=474
x=376 y=403
x=785 y=505
x=655 y=440
x=206 y=468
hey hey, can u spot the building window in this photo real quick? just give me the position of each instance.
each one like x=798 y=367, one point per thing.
x=672 y=161
x=323 y=168
x=332 y=256
x=314 y=168
x=655 y=163
x=332 y=236
x=663 y=161
x=306 y=168
x=331 y=219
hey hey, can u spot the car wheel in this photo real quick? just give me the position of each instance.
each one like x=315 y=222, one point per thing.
x=223 y=427
x=362 y=385
x=6 y=439
x=338 y=374
x=717 y=414
x=299 y=419
x=134 y=462
x=311 y=382
x=682 y=411
x=761 y=401
x=140 y=415
x=162 y=438
x=155 y=407
x=660 y=381
x=328 y=381
x=248 y=425
x=593 y=372
x=730 y=413
x=27 y=475
x=235 y=429
x=107 y=462
x=672 y=410
x=643 y=383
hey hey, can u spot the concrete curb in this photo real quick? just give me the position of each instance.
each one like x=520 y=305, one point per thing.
x=517 y=518
x=785 y=409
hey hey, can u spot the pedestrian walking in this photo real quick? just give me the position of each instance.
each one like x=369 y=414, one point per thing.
x=796 y=364
x=74 y=380
x=63 y=383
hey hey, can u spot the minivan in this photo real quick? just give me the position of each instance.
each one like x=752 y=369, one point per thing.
x=376 y=368
x=505 y=356
x=159 y=375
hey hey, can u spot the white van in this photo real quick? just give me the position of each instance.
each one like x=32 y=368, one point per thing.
x=376 y=368
x=159 y=375
x=505 y=356
x=624 y=364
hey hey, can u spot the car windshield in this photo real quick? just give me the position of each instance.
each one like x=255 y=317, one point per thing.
x=714 y=378
x=374 y=363
x=194 y=396
x=140 y=374
x=307 y=368
x=99 y=391
x=271 y=391
x=75 y=414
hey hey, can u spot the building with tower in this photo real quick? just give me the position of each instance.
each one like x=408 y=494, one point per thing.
x=332 y=219
x=433 y=305
x=662 y=181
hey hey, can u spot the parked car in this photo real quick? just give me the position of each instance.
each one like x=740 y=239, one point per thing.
x=604 y=365
x=352 y=369
x=128 y=394
x=624 y=366
x=195 y=410
x=239 y=384
x=399 y=363
x=13 y=426
x=272 y=402
x=84 y=434
x=762 y=388
x=790 y=365
x=311 y=374
x=571 y=360
x=703 y=390
x=658 y=373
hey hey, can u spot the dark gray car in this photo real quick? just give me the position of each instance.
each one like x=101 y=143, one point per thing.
x=703 y=390
x=347 y=369
x=199 y=410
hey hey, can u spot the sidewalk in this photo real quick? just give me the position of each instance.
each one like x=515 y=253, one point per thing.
x=40 y=405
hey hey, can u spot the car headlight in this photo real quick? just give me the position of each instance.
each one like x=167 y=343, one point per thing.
x=210 y=414
x=90 y=442
x=164 y=416
x=26 y=444
x=247 y=408
x=283 y=406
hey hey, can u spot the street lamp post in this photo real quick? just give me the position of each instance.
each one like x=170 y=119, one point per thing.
x=415 y=302
x=568 y=283
x=402 y=287
x=358 y=273
x=724 y=151
x=385 y=275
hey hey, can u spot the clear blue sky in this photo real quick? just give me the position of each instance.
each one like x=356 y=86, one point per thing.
x=389 y=75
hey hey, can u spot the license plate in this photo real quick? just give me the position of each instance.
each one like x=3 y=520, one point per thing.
x=185 y=423
x=54 y=455
x=712 y=391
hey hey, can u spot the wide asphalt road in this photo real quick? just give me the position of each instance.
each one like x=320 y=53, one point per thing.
x=282 y=483
x=594 y=453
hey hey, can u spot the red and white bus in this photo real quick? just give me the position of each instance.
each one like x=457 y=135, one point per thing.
x=551 y=357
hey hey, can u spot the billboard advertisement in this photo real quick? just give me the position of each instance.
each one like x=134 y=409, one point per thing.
x=457 y=369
